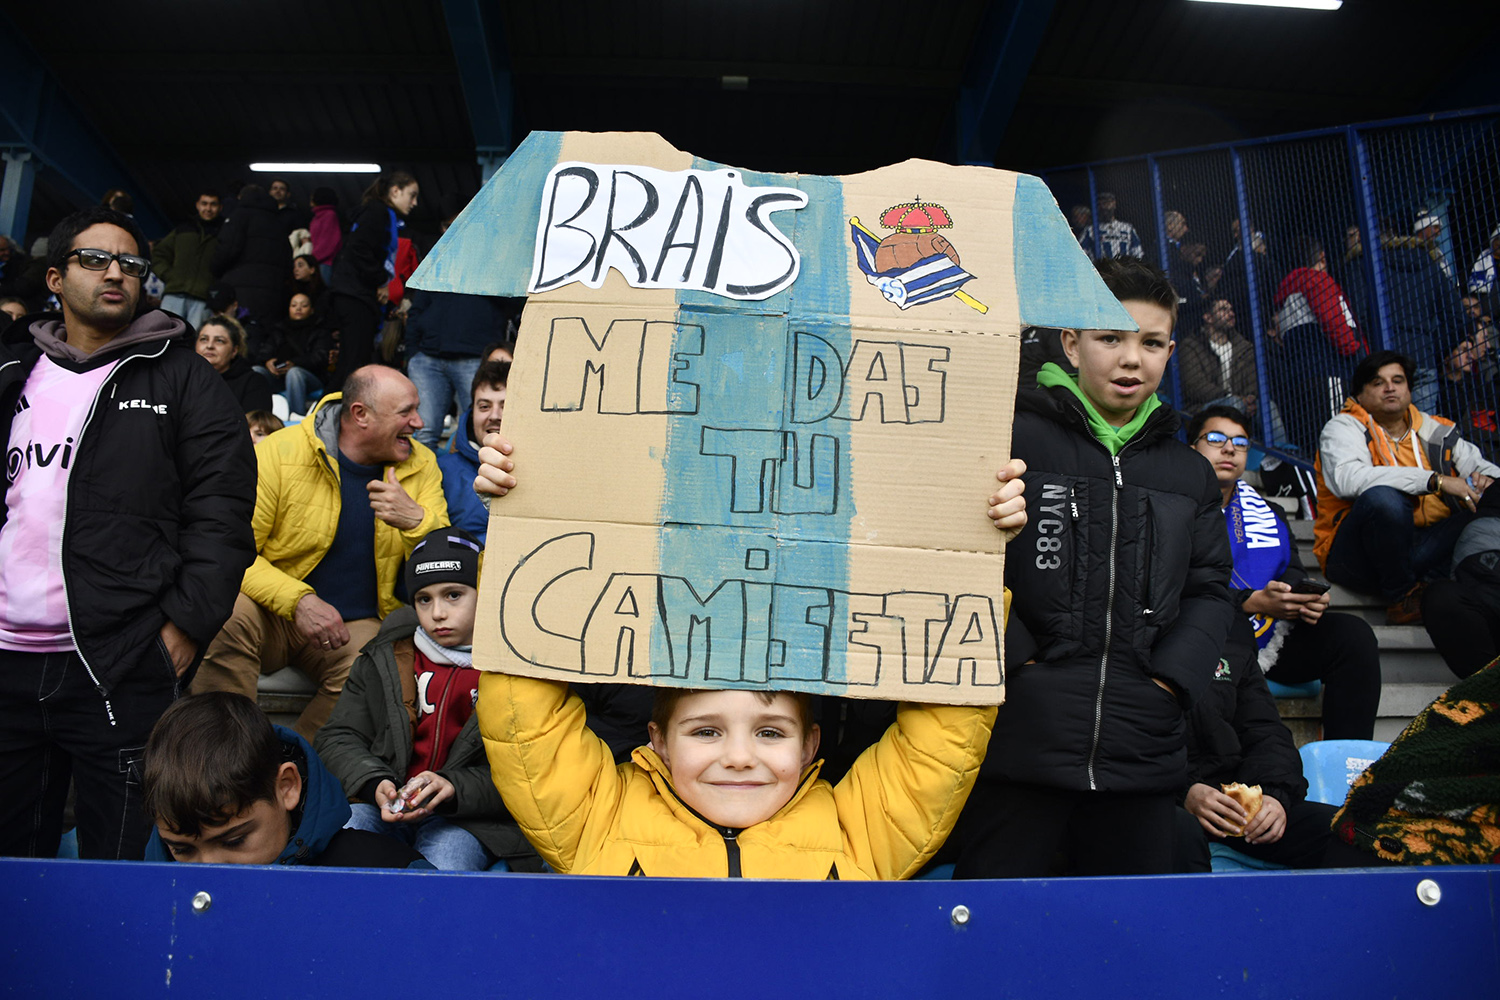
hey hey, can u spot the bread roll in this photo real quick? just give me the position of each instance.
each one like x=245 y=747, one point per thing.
x=1249 y=798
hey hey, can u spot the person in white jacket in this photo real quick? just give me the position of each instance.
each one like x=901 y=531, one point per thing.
x=1395 y=488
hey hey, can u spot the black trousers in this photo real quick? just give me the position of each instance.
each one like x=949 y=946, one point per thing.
x=357 y=321
x=54 y=724
x=1463 y=618
x=1303 y=845
x=1010 y=830
x=1340 y=650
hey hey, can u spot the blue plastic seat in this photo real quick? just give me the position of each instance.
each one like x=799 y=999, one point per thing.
x=1308 y=690
x=938 y=872
x=1331 y=766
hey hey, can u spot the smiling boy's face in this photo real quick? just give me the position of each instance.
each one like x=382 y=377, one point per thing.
x=1117 y=370
x=733 y=757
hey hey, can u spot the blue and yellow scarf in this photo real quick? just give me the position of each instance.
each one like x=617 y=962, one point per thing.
x=1262 y=549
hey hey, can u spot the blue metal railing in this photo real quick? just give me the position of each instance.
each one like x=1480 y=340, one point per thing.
x=1389 y=215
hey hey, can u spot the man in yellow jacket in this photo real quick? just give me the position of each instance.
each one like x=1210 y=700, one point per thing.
x=346 y=484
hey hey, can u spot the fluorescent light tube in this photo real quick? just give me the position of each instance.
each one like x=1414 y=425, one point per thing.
x=1299 y=4
x=315 y=168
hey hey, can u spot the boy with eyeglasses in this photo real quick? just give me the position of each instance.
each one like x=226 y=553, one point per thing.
x=1291 y=635
x=125 y=531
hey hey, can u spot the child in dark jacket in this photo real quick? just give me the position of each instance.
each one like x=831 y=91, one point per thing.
x=1236 y=734
x=226 y=787
x=403 y=738
x=1120 y=610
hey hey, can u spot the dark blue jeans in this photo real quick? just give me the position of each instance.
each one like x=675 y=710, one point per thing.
x=1378 y=550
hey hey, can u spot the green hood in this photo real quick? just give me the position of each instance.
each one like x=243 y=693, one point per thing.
x=1113 y=438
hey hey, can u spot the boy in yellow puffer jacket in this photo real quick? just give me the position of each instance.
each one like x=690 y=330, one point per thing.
x=728 y=785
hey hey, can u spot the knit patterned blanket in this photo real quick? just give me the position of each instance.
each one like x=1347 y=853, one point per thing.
x=1434 y=797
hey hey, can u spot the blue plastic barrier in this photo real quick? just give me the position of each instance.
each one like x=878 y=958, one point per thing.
x=77 y=929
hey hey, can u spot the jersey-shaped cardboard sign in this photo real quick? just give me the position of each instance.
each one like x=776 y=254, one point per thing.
x=756 y=417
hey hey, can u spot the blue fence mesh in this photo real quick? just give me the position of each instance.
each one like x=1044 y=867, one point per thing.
x=1304 y=253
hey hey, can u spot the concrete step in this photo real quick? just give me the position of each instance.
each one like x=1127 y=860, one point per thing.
x=1387 y=730
x=1403 y=701
x=1414 y=668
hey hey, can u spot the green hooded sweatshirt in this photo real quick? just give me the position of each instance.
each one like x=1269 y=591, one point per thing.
x=1113 y=438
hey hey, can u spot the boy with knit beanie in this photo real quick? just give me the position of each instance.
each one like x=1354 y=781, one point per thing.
x=403 y=739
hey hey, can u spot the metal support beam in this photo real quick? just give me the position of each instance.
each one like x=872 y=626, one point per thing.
x=476 y=30
x=1369 y=233
x=36 y=115
x=1258 y=323
x=1008 y=39
x=15 y=193
x=1158 y=203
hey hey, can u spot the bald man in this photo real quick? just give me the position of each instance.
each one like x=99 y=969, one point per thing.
x=346 y=483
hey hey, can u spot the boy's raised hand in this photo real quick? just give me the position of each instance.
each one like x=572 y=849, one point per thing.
x=495 y=467
x=1007 y=505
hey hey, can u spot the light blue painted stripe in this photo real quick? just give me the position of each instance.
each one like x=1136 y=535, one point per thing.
x=744 y=374
x=489 y=247
x=1056 y=283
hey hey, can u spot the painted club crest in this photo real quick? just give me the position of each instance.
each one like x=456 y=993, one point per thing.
x=915 y=264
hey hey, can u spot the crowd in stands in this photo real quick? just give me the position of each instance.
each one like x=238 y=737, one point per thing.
x=1317 y=309
x=210 y=543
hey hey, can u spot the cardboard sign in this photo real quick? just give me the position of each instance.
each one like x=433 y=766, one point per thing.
x=756 y=417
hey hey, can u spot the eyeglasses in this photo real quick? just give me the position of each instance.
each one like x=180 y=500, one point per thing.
x=1218 y=438
x=99 y=260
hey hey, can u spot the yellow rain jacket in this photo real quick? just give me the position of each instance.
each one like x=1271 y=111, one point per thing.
x=297 y=511
x=586 y=815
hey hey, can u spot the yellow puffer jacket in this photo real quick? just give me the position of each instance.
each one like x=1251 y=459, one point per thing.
x=297 y=511
x=586 y=815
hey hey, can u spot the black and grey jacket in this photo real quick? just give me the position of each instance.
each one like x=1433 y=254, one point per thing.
x=1120 y=576
x=160 y=493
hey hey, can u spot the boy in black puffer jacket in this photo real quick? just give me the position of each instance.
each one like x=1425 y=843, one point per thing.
x=1120 y=611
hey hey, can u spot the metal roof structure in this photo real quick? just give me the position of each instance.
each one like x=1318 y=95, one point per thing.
x=175 y=95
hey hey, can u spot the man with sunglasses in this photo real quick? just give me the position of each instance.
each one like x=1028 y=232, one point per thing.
x=1286 y=630
x=125 y=531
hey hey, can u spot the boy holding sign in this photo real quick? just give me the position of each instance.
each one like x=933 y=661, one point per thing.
x=728 y=785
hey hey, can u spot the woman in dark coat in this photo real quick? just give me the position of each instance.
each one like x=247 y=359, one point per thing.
x=301 y=355
x=253 y=256
x=364 y=266
x=221 y=342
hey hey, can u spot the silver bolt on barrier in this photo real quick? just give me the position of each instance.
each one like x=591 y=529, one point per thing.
x=1429 y=892
x=960 y=915
x=201 y=902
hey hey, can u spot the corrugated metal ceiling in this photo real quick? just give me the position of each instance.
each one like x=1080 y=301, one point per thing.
x=190 y=93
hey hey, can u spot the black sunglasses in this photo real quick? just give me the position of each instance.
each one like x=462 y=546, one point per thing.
x=99 y=260
x=1217 y=439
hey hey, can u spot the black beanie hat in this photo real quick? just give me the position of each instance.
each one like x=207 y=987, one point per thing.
x=447 y=555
